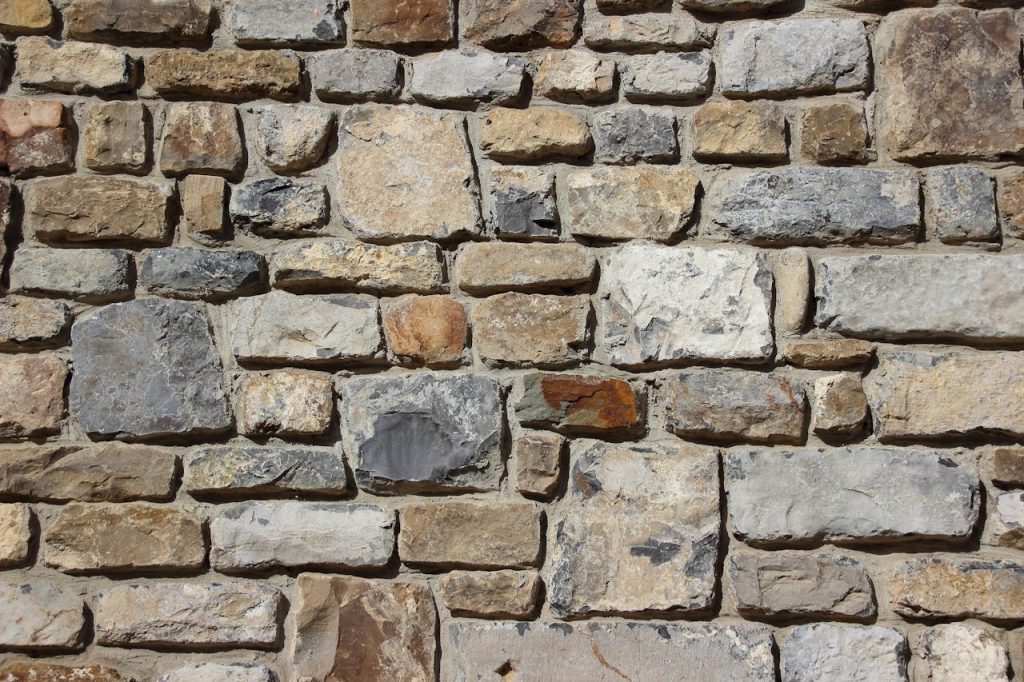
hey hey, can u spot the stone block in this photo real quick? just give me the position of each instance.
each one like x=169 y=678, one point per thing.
x=31 y=395
x=228 y=74
x=285 y=403
x=426 y=330
x=580 y=404
x=534 y=134
x=341 y=264
x=531 y=330
x=90 y=276
x=270 y=471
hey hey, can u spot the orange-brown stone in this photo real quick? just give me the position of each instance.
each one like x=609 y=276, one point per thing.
x=579 y=403
x=427 y=330
x=402 y=22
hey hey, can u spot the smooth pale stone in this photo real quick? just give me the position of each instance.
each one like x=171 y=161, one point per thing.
x=15 y=534
x=293 y=138
x=40 y=616
x=956 y=651
x=73 y=67
x=845 y=652
x=489 y=267
x=219 y=672
x=666 y=77
x=575 y=75
x=1008 y=519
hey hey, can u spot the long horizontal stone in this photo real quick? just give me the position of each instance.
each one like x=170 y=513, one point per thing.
x=225 y=74
x=247 y=471
x=646 y=32
x=301 y=22
x=187 y=273
x=849 y=495
x=958 y=587
x=40 y=616
x=489 y=267
x=826 y=651
x=149 y=21
x=90 y=276
x=220 y=672
x=73 y=67
x=926 y=296
x=466 y=77
x=341 y=264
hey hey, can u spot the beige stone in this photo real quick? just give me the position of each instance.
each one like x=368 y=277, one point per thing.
x=534 y=134
x=31 y=395
x=791 y=271
x=225 y=74
x=430 y=330
x=531 y=329
x=1010 y=198
x=40 y=616
x=291 y=137
x=953 y=652
x=829 y=354
x=496 y=594
x=538 y=458
x=835 y=132
x=734 y=130
x=39 y=671
x=402 y=22
x=202 y=204
x=522 y=24
x=285 y=403
x=72 y=67
x=201 y=137
x=341 y=264
x=958 y=587
x=147 y=21
x=15 y=535
x=489 y=267
x=26 y=16
x=575 y=75
x=33 y=323
x=646 y=32
x=35 y=137
x=840 y=406
x=115 y=136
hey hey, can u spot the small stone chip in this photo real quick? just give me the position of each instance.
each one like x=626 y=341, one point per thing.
x=402 y=23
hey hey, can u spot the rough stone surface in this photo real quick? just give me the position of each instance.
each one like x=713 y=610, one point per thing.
x=864 y=494
x=202 y=207
x=31 y=395
x=456 y=78
x=489 y=267
x=739 y=131
x=402 y=23
x=845 y=652
x=201 y=137
x=1010 y=199
x=666 y=76
x=731 y=6
x=428 y=330
x=835 y=132
x=960 y=205
x=495 y=594
x=40 y=616
x=293 y=138
x=242 y=470
x=791 y=271
x=575 y=76
x=73 y=67
x=579 y=403
x=538 y=458
x=629 y=136
x=840 y=406
x=523 y=24
x=354 y=75
x=956 y=651
x=219 y=672
x=523 y=203
x=714 y=305
x=534 y=134
x=285 y=403
x=29 y=323
x=184 y=272
x=92 y=276
x=149 y=21
x=829 y=354
x=1008 y=512
x=1008 y=466
x=26 y=16
x=958 y=587
x=645 y=32
x=531 y=330
x=280 y=207
x=35 y=137
x=225 y=74
x=301 y=22
x=15 y=534
x=115 y=137
x=53 y=672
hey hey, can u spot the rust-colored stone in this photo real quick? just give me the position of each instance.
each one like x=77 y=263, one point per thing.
x=402 y=22
x=829 y=354
x=523 y=24
x=426 y=329
x=579 y=403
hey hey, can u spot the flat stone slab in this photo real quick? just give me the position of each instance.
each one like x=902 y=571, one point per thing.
x=243 y=471
x=825 y=651
x=958 y=587
x=40 y=616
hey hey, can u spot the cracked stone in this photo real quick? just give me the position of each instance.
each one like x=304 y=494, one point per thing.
x=250 y=471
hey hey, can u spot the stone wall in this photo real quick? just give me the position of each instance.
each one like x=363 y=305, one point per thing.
x=511 y=340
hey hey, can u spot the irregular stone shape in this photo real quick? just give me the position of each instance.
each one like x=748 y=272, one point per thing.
x=428 y=432
x=466 y=77
x=289 y=402
x=845 y=652
x=1010 y=199
x=15 y=534
x=29 y=323
x=489 y=267
x=201 y=137
x=31 y=395
x=575 y=76
x=666 y=77
x=829 y=354
x=202 y=616
x=739 y=131
x=864 y=494
x=816 y=206
x=38 y=671
x=35 y=137
x=87 y=275
x=834 y=132
x=357 y=629
x=258 y=536
x=125 y=538
x=250 y=471
x=304 y=22
x=218 y=672
x=293 y=137
x=484 y=535
x=531 y=330
x=86 y=208
x=225 y=74
x=495 y=594
x=72 y=67
x=1008 y=466
x=26 y=16
x=534 y=134
x=711 y=305
x=794 y=57
x=355 y=75
x=147 y=368
x=610 y=651
x=651 y=32
x=116 y=137
x=40 y=616
x=283 y=328
x=202 y=206
x=579 y=403
x=644 y=202
x=326 y=264
x=654 y=508
x=958 y=587
x=280 y=207
x=840 y=406
x=147 y=21
x=629 y=136
x=960 y=205
x=734 y=406
x=523 y=24
x=184 y=272
x=931 y=395
x=730 y=6
x=406 y=173
x=982 y=116
x=428 y=330
x=956 y=651
x=801 y=585
x=538 y=458
x=523 y=203
x=101 y=472
x=415 y=23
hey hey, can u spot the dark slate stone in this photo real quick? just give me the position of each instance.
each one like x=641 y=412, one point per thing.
x=628 y=136
x=525 y=211
x=207 y=275
x=280 y=207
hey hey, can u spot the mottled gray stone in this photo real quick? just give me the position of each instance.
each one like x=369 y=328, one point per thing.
x=354 y=75
x=666 y=77
x=257 y=536
x=629 y=136
x=654 y=508
x=816 y=206
x=293 y=137
x=40 y=616
x=794 y=56
x=280 y=207
x=219 y=672
x=954 y=652
x=424 y=432
x=184 y=272
x=610 y=652
x=863 y=494
x=960 y=205
x=465 y=77
x=247 y=471
x=296 y=22
x=922 y=296
x=29 y=323
x=1008 y=519
x=648 y=32
x=147 y=368
x=87 y=275
x=523 y=203
x=851 y=653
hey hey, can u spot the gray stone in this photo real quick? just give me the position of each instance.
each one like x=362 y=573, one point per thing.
x=712 y=305
x=650 y=32
x=147 y=368
x=863 y=494
x=800 y=585
x=296 y=22
x=922 y=296
x=816 y=206
x=666 y=77
x=30 y=323
x=957 y=651
x=731 y=6
x=958 y=587
x=523 y=203
x=87 y=275
x=249 y=471
x=219 y=672
x=654 y=508
x=283 y=328
x=452 y=77
x=184 y=272
x=356 y=75
x=40 y=616
x=425 y=432
x=960 y=205
x=853 y=653
x=280 y=207
x=629 y=136
x=293 y=137
x=795 y=56
x=257 y=536
x=610 y=652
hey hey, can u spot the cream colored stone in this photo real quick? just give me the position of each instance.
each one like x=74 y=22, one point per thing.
x=488 y=267
x=73 y=67
x=201 y=137
x=493 y=594
x=534 y=134
x=792 y=274
x=840 y=406
x=202 y=203
x=26 y=16
x=571 y=75
x=285 y=403
x=531 y=329
x=15 y=534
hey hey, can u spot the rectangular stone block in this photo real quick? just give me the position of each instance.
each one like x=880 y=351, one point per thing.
x=225 y=74
x=426 y=330
x=153 y=22
x=298 y=22
x=466 y=77
x=958 y=587
x=647 y=32
x=401 y=23
x=580 y=404
x=667 y=77
x=87 y=275
x=355 y=75
x=40 y=616
x=285 y=403
x=489 y=267
x=15 y=535
x=199 y=274
x=33 y=323
x=272 y=471
x=73 y=67
x=538 y=458
x=202 y=206
x=845 y=652
x=491 y=594
x=523 y=203
x=36 y=137
x=31 y=395
x=531 y=330
x=115 y=135
x=534 y=134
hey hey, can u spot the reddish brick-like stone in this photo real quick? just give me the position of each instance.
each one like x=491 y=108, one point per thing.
x=579 y=403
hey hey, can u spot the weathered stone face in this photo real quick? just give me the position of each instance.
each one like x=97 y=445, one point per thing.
x=1009 y=519
x=840 y=406
x=739 y=131
x=534 y=134
x=629 y=136
x=73 y=68
x=1010 y=199
x=28 y=16
x=645 y=32
x=667 y=76
x=285 y=403
x=35 y=137
x=538 y=458
x=960 y=205
x=488 y=267
x=957 y=651
x=149 y=21
x=53 y=672
x=201 y=137
x=293 y=138
x=461 y=78
x=831 y=354
x=248 y=471
x=115 y=137
x=329 y=264
x=15 y=534
x=90 y=276
x=225 y=74
x=531 y=330
x=31 y=395
x=491 y=594
x=523 y=203
x=305 y=22
x=219 y=672
x=41 y=617
x=575 y=75
x=280 y=207
x=183 y=272
x=580 y=403
x=847 y=652
x=429 y=330
x=958 y=587
x=202 y=207
x=523 y=24
x=834 y=133
x=401 y=23
x=355 y=75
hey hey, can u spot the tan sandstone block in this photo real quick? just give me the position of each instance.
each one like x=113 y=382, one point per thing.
x=829 y=354
x=26 y=16
x=226 y=74
x=739 y=131
x=431 y=330
x=840 y=406
x=571 y=75
x=31 y=395
x=531 y=329
x=115 y=136
x=958 y=587
x=284 y=403
x=534 y=134
x=73 y=67
x=202 y=203
x=15 y=535
x=538 y=459
x=497 y=594
x=402 y=22
x=834 y=133
x=488 y=267
x=201 y=137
